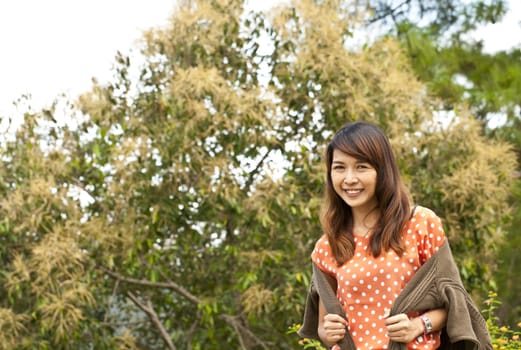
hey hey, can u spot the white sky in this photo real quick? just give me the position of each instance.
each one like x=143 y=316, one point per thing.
x=49 y=47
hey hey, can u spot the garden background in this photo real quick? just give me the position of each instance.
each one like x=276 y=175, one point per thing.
x=176 y=206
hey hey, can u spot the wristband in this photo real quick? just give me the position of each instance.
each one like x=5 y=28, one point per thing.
x=427 y=324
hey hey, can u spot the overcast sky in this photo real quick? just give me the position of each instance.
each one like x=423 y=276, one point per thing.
x=50 y=47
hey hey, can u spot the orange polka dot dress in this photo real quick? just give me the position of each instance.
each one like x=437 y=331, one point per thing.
x=367 y=286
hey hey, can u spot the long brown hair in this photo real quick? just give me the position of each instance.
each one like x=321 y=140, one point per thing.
x=366 y=142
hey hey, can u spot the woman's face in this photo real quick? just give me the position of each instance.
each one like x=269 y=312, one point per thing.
x=354 y=181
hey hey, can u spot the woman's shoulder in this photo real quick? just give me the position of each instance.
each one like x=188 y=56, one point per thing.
x=322 y=244
x=419 y=212
x=426 y=229
x=423 y=216
x=322 y=251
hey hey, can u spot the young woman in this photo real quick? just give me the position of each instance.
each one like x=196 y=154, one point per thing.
x=373 y=245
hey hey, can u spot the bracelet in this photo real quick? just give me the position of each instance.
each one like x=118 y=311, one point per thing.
x=427 y=325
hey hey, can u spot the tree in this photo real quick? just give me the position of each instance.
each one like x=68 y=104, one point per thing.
x=176 y=207
x=437 y=38
x=439 y=16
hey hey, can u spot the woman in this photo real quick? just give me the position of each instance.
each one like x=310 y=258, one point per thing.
x=373 y=246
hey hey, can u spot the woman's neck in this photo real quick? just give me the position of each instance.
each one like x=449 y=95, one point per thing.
x=364 y=222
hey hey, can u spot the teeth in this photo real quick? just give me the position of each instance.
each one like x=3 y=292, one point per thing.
x=353 y=191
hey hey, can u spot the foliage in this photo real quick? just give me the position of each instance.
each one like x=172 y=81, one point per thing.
x=461 y=72
x=437 y=36
x=177 y=205
x=502 y=337
x=438 y=16
x=509 y=286
x=306 y=343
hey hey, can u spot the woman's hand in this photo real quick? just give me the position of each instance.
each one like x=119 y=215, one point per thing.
x=333 y=328
x=402 y=329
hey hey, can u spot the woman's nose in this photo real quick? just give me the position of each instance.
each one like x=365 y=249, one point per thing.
x=350 y=177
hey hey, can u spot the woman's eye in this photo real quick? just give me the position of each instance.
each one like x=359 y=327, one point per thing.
x=338 y=167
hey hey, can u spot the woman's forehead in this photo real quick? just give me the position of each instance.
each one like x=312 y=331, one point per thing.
x=339 y=155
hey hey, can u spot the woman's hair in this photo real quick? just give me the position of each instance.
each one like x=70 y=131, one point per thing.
x=368 y=143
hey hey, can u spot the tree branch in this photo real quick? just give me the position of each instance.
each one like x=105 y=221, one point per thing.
x=167 y=285
x=190 y=333
x=246 y=337
x=151 y=313
x=389 y=11
x=256 y=170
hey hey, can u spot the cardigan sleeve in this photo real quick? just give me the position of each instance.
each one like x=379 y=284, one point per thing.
x=438 y=284
x=320 y=289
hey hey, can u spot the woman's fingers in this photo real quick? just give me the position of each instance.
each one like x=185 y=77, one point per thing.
x=400 y=328
x=335 y=318
x=335 y=327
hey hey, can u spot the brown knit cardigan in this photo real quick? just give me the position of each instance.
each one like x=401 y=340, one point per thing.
x=437 y=284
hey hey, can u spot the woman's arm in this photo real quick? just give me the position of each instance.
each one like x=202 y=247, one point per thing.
x=403 y=329
x=331 y=327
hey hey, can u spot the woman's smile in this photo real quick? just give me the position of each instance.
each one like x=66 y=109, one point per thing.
x=354 y=180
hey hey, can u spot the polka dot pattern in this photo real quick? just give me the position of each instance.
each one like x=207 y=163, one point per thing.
x=367 y=286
